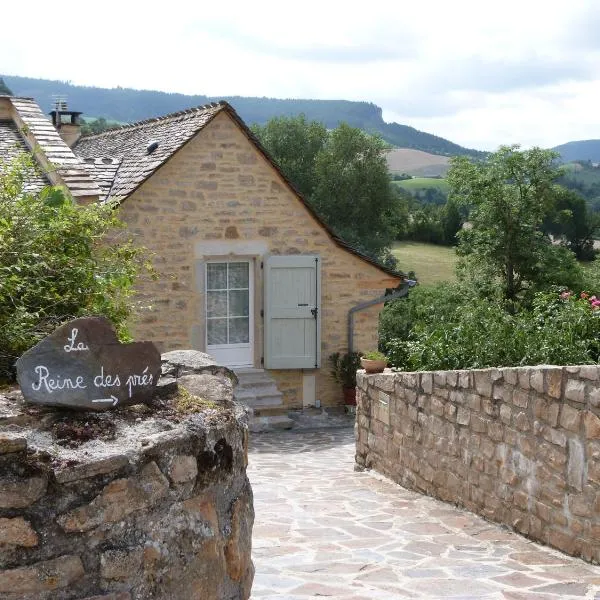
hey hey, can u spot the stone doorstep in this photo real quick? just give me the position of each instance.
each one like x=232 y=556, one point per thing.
x=270 y=423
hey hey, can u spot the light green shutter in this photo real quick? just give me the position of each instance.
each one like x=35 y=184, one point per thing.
x=292 y=312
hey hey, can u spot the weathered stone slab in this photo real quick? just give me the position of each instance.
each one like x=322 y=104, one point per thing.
x=119 y=499
x=83 y=365
x=12 y=442
x=16 y=492
x=17 y=532
x=43 y=576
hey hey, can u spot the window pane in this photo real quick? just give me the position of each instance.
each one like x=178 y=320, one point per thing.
x=216 y=304
x=216 y=276
x=238 y=275
x=238 y=303
x=216 y=331
x=239 y=331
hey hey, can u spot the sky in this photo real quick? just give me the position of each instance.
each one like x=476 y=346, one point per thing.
x=479 y=73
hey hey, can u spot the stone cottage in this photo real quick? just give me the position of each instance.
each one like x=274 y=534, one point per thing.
x=248 y=272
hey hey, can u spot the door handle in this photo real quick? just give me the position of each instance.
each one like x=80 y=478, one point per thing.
x=306 y=304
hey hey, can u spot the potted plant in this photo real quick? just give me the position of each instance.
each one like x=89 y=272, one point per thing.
x=343 y=371
x=373 y=361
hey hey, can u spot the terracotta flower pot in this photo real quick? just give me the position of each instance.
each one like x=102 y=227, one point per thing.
x=373 y=366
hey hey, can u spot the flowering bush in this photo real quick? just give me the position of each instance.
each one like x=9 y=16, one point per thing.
x=559 y=327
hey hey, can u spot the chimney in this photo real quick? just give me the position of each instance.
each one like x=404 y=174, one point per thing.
x=66 y=122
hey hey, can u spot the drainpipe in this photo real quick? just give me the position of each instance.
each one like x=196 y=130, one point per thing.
x=399 y=293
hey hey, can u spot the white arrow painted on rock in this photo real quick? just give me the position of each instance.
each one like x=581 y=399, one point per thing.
x=112 y=399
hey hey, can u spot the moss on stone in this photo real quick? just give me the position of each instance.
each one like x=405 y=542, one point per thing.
x=187 y=403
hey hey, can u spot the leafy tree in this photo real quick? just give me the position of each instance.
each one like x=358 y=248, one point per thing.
x=509 y=196
x=294 y=143
x=55 y=264
x=572 y=223
x=353 y=191
x=4 y=89
x=96 y=126
x=343 y=173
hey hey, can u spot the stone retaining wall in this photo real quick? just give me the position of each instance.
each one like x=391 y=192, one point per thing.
x=520 y=446
x=156 y=505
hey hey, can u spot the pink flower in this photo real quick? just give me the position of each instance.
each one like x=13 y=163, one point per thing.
x=584 y=295
x=593 y=298
x=595 y=303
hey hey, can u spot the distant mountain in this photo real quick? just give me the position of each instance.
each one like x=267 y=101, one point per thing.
x=583 y=150
x=128 y=105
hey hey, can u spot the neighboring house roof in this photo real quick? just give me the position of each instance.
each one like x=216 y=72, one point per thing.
x=52 y=154
x=128 y=147
x=123 y=158
x=12 y=145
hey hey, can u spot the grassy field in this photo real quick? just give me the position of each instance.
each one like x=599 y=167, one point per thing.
x=430 y=262
x=418 y=183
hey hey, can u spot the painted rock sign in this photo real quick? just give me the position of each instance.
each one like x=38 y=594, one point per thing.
x=83 y=365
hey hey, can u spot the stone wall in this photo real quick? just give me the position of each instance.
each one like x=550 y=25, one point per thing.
x=520 y=446
x=219 y=198
x=141 y=503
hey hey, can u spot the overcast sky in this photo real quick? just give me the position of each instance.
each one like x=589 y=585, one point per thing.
x=479 y=73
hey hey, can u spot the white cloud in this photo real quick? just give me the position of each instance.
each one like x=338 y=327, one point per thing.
x=479 y=73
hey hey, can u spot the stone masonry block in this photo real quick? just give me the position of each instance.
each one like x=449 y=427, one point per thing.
x=554 y=382
x=536 y=380
x=575 y=390
x=520 y=398
x=42 y=577
x=464 y=379
x=591 y=425
x=17 y=532
x=590 y=372
x=120 y=564
x=570 y=418
x=12 y=442
x=483 y=383
x=16 y=492
x=463 y=416
x=119 y=499
x=183 y=468
x=523 y=375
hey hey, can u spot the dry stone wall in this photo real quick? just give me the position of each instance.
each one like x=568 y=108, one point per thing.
x=155 y=504
x=520 y=446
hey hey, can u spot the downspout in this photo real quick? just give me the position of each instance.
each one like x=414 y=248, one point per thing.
x=399 y=293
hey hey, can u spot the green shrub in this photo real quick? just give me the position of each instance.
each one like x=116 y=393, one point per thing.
x=55 y=263
x=450 y=332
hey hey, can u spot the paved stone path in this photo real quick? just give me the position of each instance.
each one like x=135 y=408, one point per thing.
x=322 y=530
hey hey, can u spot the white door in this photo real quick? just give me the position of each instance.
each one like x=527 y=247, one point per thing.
x=229 y=312
x=292 y=312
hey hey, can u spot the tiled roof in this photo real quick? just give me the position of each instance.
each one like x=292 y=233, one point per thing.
x=124 y=154
x=61 y=158
x=128 y=147
x=12 y=145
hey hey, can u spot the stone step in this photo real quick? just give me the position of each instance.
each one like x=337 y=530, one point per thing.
x=270 y=423
x=257 y=390
x=262 y=387
x=263 y=402
x=270 y=411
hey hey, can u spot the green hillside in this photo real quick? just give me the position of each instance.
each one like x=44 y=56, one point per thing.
x=583 y=150
x=419 y=183
x=128 y=105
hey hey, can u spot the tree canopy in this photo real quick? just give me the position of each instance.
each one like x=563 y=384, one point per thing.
x=510 y=196
x=55 y=265
x=343 y=174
